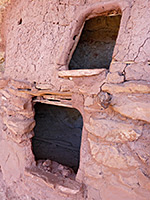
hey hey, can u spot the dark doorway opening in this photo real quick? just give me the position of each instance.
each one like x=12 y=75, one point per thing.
x=96 y=44
x=58 y=134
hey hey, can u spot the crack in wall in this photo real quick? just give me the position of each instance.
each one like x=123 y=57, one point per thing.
x=142 y=45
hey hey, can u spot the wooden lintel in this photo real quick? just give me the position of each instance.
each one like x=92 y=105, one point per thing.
x=56 y=103
x=45 y=92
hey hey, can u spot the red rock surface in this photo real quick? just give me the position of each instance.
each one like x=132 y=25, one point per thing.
x=37 y=38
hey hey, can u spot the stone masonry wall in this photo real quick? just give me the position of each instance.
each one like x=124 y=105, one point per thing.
x=38 y=44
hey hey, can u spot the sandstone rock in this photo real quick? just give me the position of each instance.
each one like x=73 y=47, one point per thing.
x=18 y=138
x=47 y=163
x=143 y=180
x=114 y=77
x=12 y=167
x=35 y=34
x=90 y=85
x=93 y=169
x=119 y=190
x=19 y=93
x=13 y=112
x=129 y=179
x=44 y=86
x=80 y=72
x=93 y=194
x=103 y=99
x=20 y=102
x=111 y=156
x=9 y=170
x=19 y=126
x=127 y=87
x=3 y=83
x=135 y=106
x=113 y=130
x=65 y=171
x=141 y=149
x=5 y=93
x=7 y=105
x=69 y=187
x=137 y=71
x=65 y=186
x=57 y=169
x=20 y=84
x=88 y=101
x=116 y=67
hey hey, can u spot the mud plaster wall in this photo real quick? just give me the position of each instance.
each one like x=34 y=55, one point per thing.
x=115 y=144
x=35 y=48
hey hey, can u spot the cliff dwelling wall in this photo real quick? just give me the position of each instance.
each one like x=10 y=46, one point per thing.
x=38 y=41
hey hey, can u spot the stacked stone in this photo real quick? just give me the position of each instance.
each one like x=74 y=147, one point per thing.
x=17 y=111
x=17 y=128
x=118 y=139
x=116 y=136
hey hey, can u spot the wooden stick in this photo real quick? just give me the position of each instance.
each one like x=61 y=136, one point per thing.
x=44 y=92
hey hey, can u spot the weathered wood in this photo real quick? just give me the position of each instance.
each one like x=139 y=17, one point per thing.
x=44 y=92
x=56 y=103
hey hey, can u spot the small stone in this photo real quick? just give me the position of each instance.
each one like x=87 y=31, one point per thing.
x=60 y=167
x=39 y=163
x=68 y=190
x=3 y=83
x=66 y=172
x=20 y=84
x=20 y=102
x=113 y=130
x=25 y=125
x=112 y=156
x=135 y=106
x=137 y=71
x=47 y=163
x=88 y=101
x=6 y=94
x=47 y=169
x=114 y=77
x=103 y=98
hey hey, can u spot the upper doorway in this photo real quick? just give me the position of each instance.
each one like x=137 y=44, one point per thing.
x=96 y=44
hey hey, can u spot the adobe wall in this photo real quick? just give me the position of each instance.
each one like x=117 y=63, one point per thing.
x=38 y=41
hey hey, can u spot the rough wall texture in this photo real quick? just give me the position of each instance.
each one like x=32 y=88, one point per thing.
x=3 y=5
x=38 y=42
